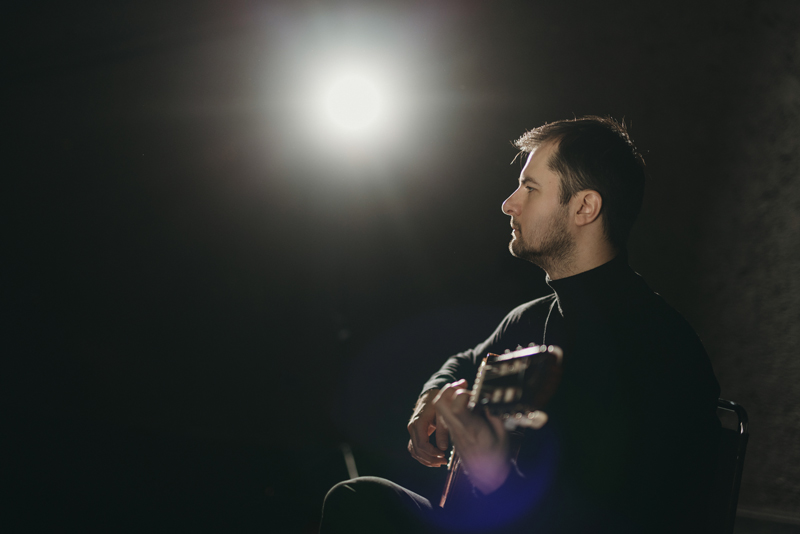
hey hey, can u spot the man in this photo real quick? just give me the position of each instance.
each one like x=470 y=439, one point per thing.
x=630 y=439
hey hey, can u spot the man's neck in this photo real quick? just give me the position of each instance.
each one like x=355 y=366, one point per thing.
x=583 y=259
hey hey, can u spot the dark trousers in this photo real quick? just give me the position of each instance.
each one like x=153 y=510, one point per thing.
x=376 y=505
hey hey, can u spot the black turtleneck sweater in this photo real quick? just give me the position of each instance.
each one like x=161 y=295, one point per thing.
x=632 y=428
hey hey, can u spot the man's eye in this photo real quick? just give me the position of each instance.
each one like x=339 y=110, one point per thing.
x=529 y=188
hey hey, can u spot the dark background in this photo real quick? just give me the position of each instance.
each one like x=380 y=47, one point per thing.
x=205 y=293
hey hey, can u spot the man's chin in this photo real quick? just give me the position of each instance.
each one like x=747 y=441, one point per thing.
x=512 y=246
x=516 y=249
x=519 y=251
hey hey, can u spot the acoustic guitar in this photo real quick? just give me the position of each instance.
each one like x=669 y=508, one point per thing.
x=515 y=387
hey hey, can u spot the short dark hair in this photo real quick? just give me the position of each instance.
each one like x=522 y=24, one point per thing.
x=595 y=153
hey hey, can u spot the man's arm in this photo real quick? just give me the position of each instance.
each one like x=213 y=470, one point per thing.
x=424 y=421
x=482 y=442
x=464 y=365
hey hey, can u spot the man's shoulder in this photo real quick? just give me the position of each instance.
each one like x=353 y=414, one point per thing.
x=531 y=312
x=655 y=327
x=654 y=312
x=521 y=326
x=536 y=306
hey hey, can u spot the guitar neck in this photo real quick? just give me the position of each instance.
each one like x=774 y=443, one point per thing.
x=453 y=472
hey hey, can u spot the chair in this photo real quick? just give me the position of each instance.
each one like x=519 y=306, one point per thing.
x=730 y=460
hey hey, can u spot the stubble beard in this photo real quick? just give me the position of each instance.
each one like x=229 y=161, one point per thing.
x=556 y=247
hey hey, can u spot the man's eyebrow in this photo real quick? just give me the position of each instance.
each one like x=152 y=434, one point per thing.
x=527 y=180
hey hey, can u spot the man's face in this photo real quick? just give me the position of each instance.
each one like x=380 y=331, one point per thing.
x=541 y=232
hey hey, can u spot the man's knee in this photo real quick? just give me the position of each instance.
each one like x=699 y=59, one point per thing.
x=347 y=503
x=355 y=494
x=364 y=502
x=343 y=493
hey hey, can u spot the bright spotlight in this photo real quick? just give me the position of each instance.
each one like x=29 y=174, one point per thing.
x=353 y=103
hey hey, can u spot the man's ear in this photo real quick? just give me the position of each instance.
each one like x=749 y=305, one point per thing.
x=589 y=205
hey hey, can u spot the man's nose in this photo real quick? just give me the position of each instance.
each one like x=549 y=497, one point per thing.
x=509 y=206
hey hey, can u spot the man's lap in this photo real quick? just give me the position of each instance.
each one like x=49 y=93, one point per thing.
x=376 y=505
x=372 y=504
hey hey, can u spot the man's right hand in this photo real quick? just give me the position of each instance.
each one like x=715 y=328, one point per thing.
x=422 y=424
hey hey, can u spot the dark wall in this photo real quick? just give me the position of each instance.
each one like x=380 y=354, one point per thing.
x=203 y=299
x=749 y=259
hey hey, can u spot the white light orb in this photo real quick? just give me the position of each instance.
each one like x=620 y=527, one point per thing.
x=353 y=103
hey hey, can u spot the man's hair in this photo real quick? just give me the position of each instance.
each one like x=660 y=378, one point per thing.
x=595 y=153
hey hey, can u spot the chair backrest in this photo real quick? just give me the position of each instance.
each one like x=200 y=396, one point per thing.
x=730 y=460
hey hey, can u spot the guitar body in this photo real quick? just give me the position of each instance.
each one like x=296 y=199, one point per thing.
x=515 y=387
